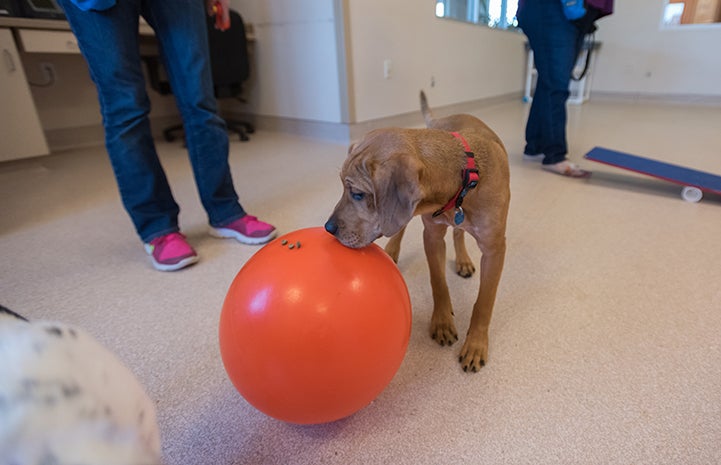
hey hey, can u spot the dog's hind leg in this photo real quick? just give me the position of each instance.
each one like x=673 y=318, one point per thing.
x=464 y=264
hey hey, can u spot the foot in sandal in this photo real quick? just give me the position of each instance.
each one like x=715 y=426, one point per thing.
x=566 y=168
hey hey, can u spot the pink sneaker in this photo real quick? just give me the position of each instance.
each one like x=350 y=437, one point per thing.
x=171 y=252
x=248 y=230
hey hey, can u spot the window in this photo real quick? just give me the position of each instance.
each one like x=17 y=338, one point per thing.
x=679 y=12
x=492 y=13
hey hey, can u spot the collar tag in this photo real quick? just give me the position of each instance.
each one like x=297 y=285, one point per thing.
x=459 y=216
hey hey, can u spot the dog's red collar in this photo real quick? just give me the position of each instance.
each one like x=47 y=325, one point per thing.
x=470 y=180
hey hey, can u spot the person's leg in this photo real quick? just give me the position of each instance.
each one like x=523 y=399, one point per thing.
x=108 y=40
x=554 y=41
x=530 y=19
x=538 y=121
x=181 y=30
x=558 y=66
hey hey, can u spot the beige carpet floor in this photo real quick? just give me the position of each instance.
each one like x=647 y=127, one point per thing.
x=605 y=345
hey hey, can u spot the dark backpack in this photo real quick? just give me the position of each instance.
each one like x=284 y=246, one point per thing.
x=605 y=7
x=595 y=10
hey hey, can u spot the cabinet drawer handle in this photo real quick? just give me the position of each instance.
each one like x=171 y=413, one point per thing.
x=9 y=61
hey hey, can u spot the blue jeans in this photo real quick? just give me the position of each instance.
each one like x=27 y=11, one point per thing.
x=555 y=43
x=108 y=40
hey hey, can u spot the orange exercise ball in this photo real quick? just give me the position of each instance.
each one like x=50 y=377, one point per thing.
x=312 y=331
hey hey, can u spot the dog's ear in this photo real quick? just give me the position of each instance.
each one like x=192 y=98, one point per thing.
x=396 y=183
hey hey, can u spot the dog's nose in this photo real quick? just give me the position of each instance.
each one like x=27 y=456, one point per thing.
x=331 y=226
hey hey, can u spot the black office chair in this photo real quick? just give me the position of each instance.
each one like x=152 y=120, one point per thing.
x=230 y=68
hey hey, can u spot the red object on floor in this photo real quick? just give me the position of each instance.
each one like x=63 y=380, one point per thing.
x=312 y=331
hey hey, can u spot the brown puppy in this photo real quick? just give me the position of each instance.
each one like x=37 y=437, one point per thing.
x=392 y=174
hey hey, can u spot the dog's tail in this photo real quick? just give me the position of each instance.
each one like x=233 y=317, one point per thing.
x=425 y=109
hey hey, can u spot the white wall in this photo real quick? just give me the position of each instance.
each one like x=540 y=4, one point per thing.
x=468 y=62
x=638 y=56
x=297 y=76
x=295 y=59
x=297 y=72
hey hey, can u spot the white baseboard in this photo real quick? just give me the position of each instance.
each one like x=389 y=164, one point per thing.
x=415 y=119
x=333 y=132
x=343 y=133
x=94 y=135
x=346 y=132
x=74 y=138
x=679 y=99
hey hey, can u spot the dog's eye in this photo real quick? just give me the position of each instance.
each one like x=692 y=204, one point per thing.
x=357 y=195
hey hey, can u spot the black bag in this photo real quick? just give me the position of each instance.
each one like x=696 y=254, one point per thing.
x=595 y=10
x=586 y=24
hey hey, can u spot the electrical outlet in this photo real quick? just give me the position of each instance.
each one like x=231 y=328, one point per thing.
x=387 y=66
x=48 y=71
x=433 y=81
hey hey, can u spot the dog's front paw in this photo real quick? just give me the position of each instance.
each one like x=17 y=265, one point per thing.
x=393 y=251
x=443 y=330
x=474 y=354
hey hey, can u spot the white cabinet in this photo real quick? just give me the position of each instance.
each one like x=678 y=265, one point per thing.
x=21 y=134
x=580 y=89
x=41 y=41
